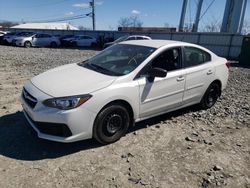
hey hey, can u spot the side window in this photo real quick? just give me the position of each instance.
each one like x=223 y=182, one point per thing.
x=169 y=60
x=46 y=36
x=87 y=37
x=131 y=38
x=194 y=56
x=38 y=36
x=140 y=38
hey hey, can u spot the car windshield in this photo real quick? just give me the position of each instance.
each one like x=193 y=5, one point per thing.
x=118 y=60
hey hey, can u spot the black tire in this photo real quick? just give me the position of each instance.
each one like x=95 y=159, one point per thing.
x=211 y=95
x=111 y=124
x=74 y=44
x=53 y=44
x=27 y=44
x=93 y=44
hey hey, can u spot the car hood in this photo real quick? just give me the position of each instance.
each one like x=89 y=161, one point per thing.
x=69 y=80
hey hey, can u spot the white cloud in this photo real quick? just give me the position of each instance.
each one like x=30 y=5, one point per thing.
x=136 y=12
x=99 y=2
x=69 y=13
x=81 y=5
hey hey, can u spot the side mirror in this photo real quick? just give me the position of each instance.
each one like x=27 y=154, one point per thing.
x=157 y=72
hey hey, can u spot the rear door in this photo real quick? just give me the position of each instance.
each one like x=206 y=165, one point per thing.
x=47 y=39
x=199 y=74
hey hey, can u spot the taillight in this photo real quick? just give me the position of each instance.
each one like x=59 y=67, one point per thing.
x=228 y=64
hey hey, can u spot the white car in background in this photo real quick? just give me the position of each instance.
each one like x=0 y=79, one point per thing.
x=36 y=40
x=8 y=37
x=134 y=80
x=126 y=38
x=84 y=40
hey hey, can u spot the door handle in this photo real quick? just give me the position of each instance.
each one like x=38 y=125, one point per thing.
x=180 y=78
x=209 y=72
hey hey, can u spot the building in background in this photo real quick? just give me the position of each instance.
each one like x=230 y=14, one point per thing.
x=52 y=25
x=147 y=29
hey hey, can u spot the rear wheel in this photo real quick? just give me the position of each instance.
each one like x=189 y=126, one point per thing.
x=111 y=124
x=53 y=44
x=211 y=95
x=27 y=44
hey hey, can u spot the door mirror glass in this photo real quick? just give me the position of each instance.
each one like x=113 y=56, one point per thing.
x=157 y=72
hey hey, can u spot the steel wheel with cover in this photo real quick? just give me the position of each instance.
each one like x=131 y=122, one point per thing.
x=211 y=95
x=111 y=124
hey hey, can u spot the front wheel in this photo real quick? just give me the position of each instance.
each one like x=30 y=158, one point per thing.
x=111 y=124
x=27 y=44
x=211 y=95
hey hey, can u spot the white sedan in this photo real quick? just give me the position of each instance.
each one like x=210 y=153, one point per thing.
x=131 y=81
x=84 y=40
x=36 y=40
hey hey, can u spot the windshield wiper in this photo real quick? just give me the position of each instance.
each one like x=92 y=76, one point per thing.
x=103 y=70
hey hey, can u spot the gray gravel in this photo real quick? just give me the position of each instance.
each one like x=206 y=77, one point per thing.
x=187 y=148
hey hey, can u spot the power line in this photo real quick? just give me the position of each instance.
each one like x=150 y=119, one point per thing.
x=63 y=19
x=207 y=9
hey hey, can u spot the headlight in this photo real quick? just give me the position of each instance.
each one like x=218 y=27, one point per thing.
x=67 y=103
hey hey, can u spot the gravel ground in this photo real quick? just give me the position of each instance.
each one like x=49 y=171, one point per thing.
x=188 y=148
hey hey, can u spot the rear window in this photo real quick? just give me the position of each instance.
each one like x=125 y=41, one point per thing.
x=195 y=56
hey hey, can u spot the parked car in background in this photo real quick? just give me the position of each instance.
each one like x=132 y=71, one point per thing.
x=134 y=80
x=2 y=33
x=8 y=38
x=65 y=40
x=80 y=40
x=126 y=38
x=37 y=40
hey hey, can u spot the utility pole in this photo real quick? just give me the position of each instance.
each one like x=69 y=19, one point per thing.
x=92 y=5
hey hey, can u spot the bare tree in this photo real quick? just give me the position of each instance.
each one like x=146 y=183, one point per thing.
x=7 y=24
x=212 y=26
x=132 y=21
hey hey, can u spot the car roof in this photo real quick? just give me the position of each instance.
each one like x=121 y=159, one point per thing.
x=160 y=43
x=154 y=43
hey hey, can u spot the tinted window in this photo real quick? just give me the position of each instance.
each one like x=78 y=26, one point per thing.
x=46 y=36
x=140 y=38
x=87 y=37
x=131 y=38
x=168 y=60
x=194 y=56
x=38 y=36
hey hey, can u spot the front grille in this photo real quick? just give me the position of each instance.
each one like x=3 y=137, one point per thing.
x=29 y=99
x=54 y=129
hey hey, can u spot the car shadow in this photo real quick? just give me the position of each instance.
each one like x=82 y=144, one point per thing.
x=20 y=141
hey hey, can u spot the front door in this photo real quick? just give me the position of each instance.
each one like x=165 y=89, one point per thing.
x=163 y=94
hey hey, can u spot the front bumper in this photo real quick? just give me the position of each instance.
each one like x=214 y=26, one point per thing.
x=54 y=124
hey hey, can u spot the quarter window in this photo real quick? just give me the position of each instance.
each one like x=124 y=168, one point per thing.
x=194 y=56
